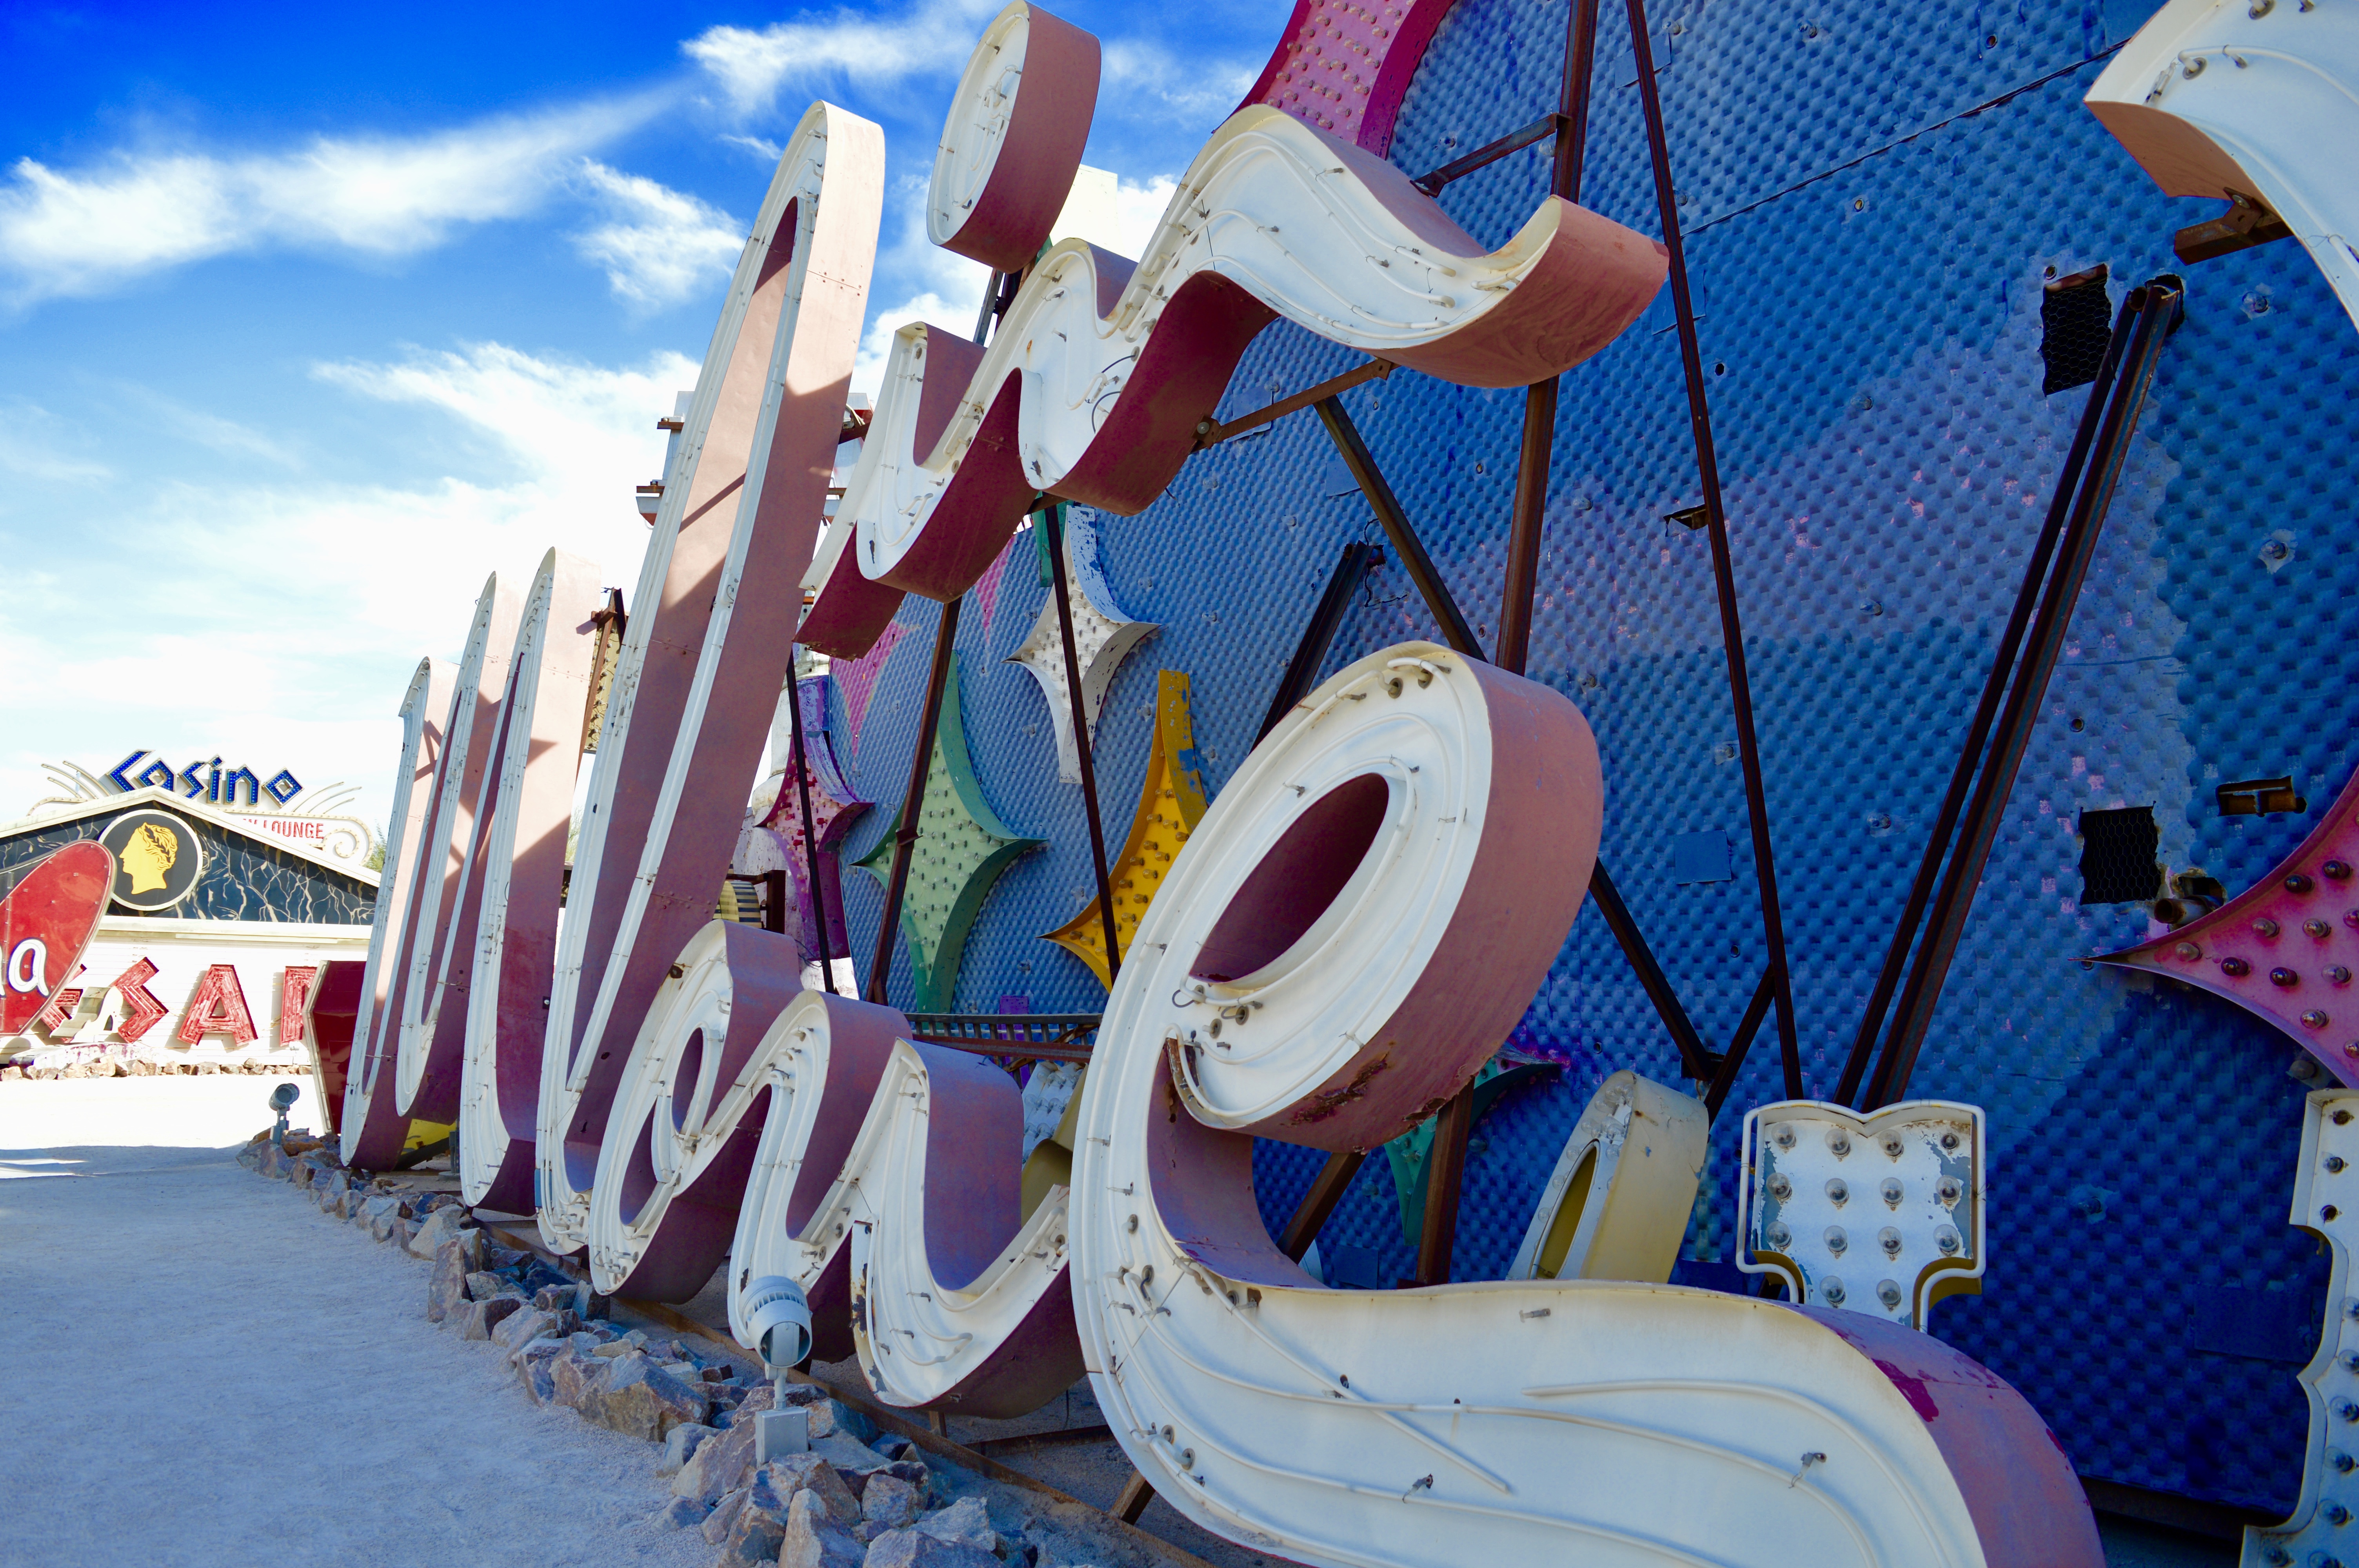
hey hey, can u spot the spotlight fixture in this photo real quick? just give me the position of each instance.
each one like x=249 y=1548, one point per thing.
x=779 y=1316
x=282 y=1100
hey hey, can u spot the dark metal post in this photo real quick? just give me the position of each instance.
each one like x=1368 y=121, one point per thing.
x=1732 y=623
x=2157 y=305
x=1524 y=529
x=1327 y=1190
x=1449 y=1152
x=811 y=836
x=1326 y=620
x=1445 y=1165
x=1717 y=1095
x=983 y=317
x=880 y=968
x=1693 y=1054
x=1969 y=754
x=1539 y=398
x=1388 y=507
x=1052 y=518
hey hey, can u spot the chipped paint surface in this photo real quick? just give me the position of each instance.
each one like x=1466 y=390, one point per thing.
x=1880 y=1214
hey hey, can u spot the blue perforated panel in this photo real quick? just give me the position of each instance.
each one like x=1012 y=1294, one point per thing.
x=1874 y=195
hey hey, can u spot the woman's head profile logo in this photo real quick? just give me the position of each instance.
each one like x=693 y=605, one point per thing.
x=149 y=858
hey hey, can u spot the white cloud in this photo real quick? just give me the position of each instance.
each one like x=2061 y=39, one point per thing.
x=765 y=152
x=933 y=285
x=84 y=231
x=211 y=431
x=284 y=619
x=658 y=246
x=35 y=444
x=751 y=66
x=1146 y=76
x=1136 y=209
x=868 y=369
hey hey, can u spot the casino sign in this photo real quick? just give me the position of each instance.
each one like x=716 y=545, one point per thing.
x=152 y=924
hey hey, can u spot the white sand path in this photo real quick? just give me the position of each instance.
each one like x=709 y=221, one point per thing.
x=200 y=1368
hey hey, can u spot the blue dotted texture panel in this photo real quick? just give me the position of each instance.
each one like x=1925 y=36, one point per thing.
x=1874 y=196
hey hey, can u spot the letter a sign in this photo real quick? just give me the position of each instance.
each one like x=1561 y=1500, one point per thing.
x=45 y=923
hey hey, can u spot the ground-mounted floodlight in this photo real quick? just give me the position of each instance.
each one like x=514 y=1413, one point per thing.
x=779 y=1316
x=282 y=1100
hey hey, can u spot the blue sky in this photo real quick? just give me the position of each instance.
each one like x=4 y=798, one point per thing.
x=310 y=316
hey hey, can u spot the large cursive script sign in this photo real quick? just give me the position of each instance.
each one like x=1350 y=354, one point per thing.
x=1344 y=940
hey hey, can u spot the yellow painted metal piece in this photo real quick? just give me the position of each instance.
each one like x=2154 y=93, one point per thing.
x=1052 y=1163
x=1617 y=1205
x=421 y=1133
x=1170 y=803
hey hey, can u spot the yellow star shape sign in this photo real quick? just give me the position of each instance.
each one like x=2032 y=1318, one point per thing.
x=1170 y=803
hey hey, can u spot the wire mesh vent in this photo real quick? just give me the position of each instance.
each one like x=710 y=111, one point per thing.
x=2117 y=851
x=2075 y=321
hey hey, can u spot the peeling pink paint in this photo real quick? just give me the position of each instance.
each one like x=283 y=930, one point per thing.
x=857 y=677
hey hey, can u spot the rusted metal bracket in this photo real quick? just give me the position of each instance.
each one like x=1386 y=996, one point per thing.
x=1208 y=433
x=1011 y=1036
x=2247 y=222
x=2260 y=797
x=606 y=658
x=1552 y=124
x=1136 y=1494
x=774 y=901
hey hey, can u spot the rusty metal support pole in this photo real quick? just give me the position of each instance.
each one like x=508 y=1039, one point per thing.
x=983 y=318
x=1694 y=1057
x=880 y=968
x=1539 y=398
x=1327 y=1190
x=1052 y=518
x=1524 y=530
x=1447 y=1161
x=1732 y=622
x=1132 y=1500
x=1732 y=1064
x=1449 y=1155
x=1970 y=753
x=1445 y=1165
x=811 y=836
x=1326 y=620
x=1395 y=521
x=2157 y=305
